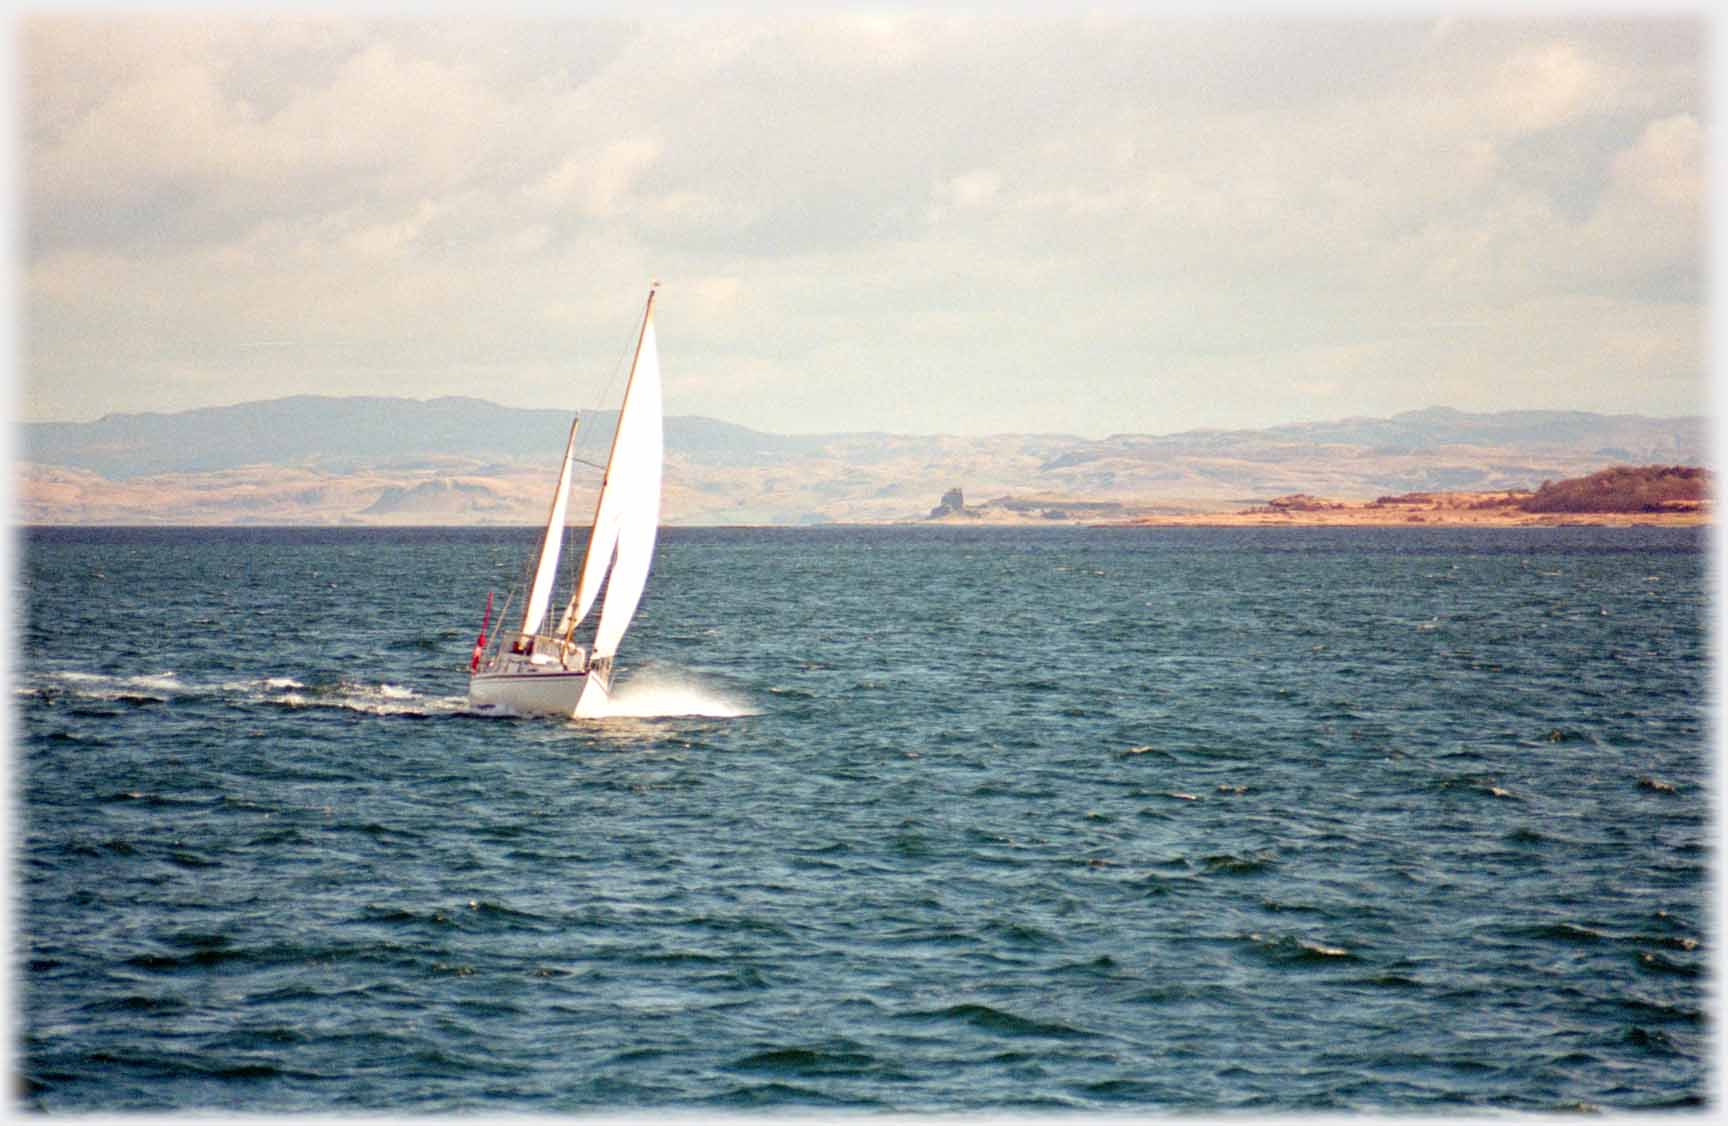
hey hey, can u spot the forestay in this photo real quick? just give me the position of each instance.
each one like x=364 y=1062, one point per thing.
x=627 y=516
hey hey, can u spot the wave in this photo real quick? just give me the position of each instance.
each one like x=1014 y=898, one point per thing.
x=158 y=687
x=1292 y=950
x=815 y=1061
x=383 y=698
x=371 y=699
x=1000 y=1022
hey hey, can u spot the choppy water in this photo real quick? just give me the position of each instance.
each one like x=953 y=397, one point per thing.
x=901 y=819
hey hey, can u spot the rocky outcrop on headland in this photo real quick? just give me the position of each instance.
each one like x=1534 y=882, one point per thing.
x=1041 y=510
x=953 y=504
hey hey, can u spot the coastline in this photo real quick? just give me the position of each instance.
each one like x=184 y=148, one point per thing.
x=1371 y=520
x=1433 y=510
x=1429 y=510
x=1362 y=517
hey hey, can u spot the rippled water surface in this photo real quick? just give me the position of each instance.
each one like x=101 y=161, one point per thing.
x=901 y=819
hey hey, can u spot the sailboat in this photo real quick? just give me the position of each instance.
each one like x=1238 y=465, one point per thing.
x=560 y=671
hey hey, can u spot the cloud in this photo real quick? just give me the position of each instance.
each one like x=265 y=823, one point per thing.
x=1665 y=167
x=870 y=219
x=1542 y=86
x=596 y=183
x=972 y=189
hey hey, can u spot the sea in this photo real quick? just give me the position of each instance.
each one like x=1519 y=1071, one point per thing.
x=889 y=819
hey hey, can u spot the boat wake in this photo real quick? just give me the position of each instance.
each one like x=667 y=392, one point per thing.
x=648 y=695
x=274 y=691
x=652 y=695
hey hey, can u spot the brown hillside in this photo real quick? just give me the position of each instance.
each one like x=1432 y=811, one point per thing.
x=1623 y=488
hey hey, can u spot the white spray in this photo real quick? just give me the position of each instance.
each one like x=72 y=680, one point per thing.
x=648 y=694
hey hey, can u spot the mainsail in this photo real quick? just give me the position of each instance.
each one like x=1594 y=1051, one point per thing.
x=555 y=675
x=627 y=515
x=540 y=594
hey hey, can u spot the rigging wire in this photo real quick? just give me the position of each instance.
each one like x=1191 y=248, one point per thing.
x=570 y=554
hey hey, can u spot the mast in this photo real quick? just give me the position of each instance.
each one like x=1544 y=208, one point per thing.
x=546 y=570
x=588 y=583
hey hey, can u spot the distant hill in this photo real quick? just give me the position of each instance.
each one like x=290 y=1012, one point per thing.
x=340 y=434
x=1433 y=430
x=464 y=460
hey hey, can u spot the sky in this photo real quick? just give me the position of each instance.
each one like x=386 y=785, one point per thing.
x=915 y=221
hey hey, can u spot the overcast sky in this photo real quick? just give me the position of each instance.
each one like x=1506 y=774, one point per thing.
x=920 y=222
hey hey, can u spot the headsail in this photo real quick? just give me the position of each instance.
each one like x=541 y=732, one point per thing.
x=570 y=679
x=540 y=594
x=627 y=515
x=636 y=489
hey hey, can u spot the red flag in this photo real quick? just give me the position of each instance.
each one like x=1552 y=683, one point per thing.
x=480 y=644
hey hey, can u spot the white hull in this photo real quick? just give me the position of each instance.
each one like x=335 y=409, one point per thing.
x=542 y=671
x=583 y=695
